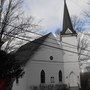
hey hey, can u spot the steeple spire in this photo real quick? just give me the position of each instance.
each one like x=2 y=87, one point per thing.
x=64 y=1
x=67 y=24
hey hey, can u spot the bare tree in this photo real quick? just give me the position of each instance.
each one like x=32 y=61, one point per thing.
x=87 y=11
x=82 y=49
x=12 y=24
x=78 y=24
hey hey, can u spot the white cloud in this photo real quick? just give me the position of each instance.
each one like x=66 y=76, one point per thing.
x=51 y=11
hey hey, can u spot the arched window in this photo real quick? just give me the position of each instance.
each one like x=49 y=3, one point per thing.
x=60 y=76
x=42 y=76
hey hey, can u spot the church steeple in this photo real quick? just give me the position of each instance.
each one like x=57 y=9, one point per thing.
x=67 y=24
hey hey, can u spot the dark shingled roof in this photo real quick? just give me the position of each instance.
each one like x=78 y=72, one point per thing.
x=24 y=53
x=67 y=21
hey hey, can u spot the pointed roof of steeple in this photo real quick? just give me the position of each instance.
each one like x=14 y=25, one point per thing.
x=67 y=24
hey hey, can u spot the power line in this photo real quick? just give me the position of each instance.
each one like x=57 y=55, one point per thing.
x=39 y=34
x=49 y=37
x=50 y=46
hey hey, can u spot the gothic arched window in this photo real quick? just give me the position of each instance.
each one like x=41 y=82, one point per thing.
x=60 y=76
x=42 y=76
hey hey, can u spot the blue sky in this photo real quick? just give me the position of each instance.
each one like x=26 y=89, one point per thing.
x=50 y=12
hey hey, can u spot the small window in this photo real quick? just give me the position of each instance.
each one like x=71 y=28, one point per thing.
x=51 y=57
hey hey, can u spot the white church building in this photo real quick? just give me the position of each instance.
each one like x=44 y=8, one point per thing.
x=47 y=60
